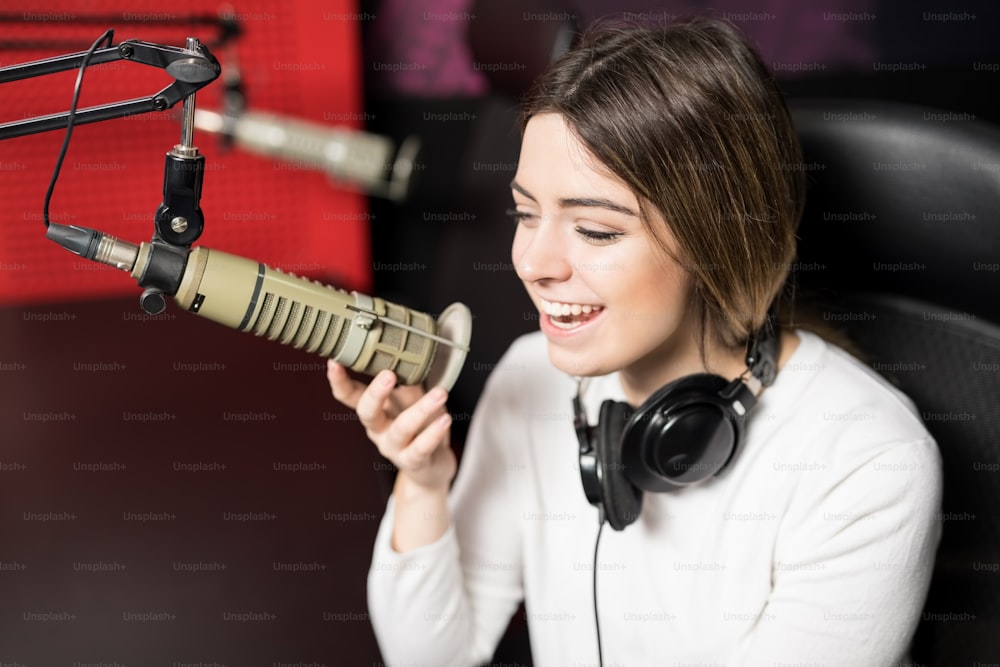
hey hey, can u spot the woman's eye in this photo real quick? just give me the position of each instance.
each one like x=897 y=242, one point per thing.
x=595 y=235
x=591 y=235
x=519 y=216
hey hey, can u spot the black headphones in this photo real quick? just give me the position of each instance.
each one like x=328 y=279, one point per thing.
x=686 y=432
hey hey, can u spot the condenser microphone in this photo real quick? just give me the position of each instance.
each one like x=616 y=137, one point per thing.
x=369 y=161
x=366 y=334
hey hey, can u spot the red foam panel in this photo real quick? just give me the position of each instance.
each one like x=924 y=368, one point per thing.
x=300 y=59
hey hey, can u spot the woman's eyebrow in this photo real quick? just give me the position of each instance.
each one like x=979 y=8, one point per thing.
x=569 y=202
x=515 y=186
x=597 y=203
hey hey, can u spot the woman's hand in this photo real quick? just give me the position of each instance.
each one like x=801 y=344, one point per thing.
x=409 y=427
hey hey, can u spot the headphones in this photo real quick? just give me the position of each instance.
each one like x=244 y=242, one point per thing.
x=684 y=433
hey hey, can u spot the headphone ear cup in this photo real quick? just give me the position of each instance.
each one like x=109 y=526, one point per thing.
x=620 y=498
x=683 y=434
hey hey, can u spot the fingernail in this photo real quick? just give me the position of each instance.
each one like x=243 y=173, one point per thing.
x=387 y=378
x=437 y=395
x=444 y=420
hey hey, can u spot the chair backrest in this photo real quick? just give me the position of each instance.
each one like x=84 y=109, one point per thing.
x=901 y=239
x=902 y=199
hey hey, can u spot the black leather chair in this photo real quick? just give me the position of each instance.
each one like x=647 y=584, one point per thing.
x=903 y=199
x=900 y=243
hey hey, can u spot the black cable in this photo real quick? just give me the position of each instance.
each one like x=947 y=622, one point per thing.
x=71 y=117
x=597 y=620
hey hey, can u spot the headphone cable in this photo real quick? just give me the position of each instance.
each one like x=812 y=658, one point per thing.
x=597 y=620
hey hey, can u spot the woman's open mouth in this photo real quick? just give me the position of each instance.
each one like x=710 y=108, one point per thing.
x=568 y=316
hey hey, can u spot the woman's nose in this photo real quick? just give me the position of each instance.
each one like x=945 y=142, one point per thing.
x=539 y=253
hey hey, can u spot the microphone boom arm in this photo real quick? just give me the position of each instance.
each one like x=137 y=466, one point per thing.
x=192 y=70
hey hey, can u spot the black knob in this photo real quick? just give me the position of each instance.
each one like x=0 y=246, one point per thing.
x=152 y=301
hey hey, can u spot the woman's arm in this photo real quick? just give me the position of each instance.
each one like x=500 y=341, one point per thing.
x=411 y=431
x=432 y=599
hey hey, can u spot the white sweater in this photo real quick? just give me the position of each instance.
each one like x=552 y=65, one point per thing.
x=814 y=547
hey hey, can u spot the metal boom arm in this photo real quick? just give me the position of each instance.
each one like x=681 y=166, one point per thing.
x=192 y=69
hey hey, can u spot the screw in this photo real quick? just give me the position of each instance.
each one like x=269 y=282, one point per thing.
x=126 y=50
x=179 y=224
x=152 y=301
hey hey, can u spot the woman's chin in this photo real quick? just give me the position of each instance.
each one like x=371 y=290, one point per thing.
x=576 y=364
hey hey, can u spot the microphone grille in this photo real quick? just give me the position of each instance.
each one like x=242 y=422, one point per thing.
x=316 y=330
x=408 y=354
x=265 y=315
x=313 y=329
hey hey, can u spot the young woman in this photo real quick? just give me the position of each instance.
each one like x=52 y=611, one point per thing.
x=656 y=197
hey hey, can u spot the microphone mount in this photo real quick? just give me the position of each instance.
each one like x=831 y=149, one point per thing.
x=178 y=221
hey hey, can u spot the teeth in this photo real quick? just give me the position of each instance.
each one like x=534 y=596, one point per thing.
x=556 y=309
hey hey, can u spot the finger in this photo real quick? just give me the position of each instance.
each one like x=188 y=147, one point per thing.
x=419 y=452
x=406 y=395
x=371 y=404
x=415 y=418
x=345 y=389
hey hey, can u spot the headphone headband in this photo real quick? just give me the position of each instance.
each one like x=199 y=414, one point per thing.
x=762 y=352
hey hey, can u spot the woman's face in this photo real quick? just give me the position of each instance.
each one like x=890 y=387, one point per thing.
x=607 y=297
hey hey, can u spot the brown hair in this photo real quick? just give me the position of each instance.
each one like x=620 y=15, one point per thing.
x=689 y=117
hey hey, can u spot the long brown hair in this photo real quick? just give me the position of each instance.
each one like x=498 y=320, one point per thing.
x=688 y=116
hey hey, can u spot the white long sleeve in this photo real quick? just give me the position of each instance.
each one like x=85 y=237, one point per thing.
x=814 y=547
x=441 y=605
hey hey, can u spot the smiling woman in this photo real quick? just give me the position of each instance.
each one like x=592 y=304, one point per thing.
x=574 y=219
x=758 y=478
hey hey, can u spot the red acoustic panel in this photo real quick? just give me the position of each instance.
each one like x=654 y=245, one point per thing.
x=301 y=59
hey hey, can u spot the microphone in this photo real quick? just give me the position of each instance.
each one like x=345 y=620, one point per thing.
x=350 y=156
x=366 y=334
